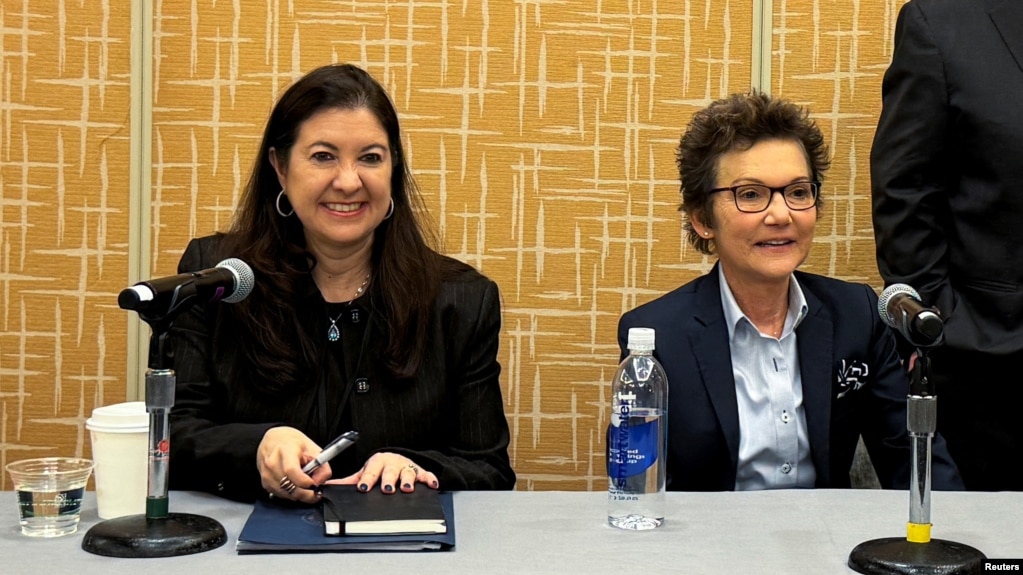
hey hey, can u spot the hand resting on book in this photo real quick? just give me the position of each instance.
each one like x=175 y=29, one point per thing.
x=393 y=471
x=285 y=450
x=347 y=511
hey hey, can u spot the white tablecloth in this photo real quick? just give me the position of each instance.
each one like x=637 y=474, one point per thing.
x=766 y=532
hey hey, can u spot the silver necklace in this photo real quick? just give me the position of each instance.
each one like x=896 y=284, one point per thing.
x=333 y=333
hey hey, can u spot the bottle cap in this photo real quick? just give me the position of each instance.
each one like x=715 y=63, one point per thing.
x=641 y=339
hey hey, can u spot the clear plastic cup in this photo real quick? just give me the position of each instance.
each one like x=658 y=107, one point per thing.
x=50 y=494
x=120 y=447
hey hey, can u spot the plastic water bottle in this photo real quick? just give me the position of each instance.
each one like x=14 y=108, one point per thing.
x=637 y=437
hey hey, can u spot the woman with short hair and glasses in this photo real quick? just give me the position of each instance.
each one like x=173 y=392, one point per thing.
x=773 y=373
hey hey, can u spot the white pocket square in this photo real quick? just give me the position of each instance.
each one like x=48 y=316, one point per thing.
x=852 y=375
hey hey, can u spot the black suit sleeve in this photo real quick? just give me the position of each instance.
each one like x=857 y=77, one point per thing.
x=208 y=452
x=475 y=452
x=449 y=418
x=909 y=162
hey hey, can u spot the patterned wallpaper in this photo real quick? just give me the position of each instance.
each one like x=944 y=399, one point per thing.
x=832 y=60
x=64 y=217
x=542 y=133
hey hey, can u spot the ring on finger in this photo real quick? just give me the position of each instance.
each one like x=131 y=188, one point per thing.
x=413 y=468
x=288 y=485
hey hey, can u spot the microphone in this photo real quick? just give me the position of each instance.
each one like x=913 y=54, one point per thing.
x=900 y=308
x=230 y=281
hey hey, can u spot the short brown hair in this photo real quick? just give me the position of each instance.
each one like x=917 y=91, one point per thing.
x=738 y=122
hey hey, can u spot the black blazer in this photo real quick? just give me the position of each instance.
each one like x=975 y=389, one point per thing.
x=841 y=324
x=449 y=418
x=947 y=167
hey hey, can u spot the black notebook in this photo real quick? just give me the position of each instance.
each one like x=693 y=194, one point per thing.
x=348 y=511
x=283 y=527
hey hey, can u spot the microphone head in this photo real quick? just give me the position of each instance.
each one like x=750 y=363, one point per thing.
x=886 y=297
x=244 y=279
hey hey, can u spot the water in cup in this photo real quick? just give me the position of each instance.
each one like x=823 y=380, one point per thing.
x=49 y=492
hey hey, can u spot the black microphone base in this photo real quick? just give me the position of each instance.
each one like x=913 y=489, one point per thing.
x=895 y=555
x=142 y=537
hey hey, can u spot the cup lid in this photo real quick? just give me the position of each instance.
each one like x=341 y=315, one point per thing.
x=130 y=415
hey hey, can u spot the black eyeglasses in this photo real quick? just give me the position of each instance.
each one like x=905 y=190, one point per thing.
x=753 y=198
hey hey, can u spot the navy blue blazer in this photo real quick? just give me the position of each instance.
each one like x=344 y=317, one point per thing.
x=841 y=402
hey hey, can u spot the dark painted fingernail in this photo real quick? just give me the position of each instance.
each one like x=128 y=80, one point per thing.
x=388 y=488
x=406 y=486
x=363 y=487
x=433 y=484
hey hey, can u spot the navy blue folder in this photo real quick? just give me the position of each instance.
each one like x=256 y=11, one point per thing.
x=275 y=527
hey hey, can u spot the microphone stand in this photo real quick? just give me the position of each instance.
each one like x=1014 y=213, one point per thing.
x=917 y=553
x=157 y=533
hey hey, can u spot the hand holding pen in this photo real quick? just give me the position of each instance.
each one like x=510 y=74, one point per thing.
x=330 y=452
x=285 y=487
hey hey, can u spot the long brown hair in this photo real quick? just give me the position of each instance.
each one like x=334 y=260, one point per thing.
x=406 y=269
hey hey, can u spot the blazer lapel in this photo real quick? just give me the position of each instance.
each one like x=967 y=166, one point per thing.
x=716 y=367
x=1007 y=17
x=814 y=339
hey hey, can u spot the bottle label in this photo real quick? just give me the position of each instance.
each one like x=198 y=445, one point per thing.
x=632 y=444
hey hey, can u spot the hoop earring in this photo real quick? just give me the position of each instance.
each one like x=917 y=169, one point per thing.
x=390 y=212
x=277 y=204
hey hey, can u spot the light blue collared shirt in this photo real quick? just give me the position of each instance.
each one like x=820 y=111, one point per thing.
x=774 y=447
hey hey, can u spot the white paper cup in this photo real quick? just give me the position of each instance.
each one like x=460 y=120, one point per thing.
x=120 y=448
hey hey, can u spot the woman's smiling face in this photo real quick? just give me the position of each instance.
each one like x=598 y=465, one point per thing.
x=338 y=178
x=763 y=247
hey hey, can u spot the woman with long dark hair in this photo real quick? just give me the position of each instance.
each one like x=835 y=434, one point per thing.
x=355 y=322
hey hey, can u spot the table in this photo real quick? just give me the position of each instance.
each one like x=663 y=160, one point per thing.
x=786 y=531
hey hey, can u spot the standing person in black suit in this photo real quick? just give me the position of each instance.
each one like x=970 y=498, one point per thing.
x=773 y=373
x=354 y=321
x=946 y=173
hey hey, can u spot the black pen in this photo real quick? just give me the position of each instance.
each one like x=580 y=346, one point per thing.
x=337 y=446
